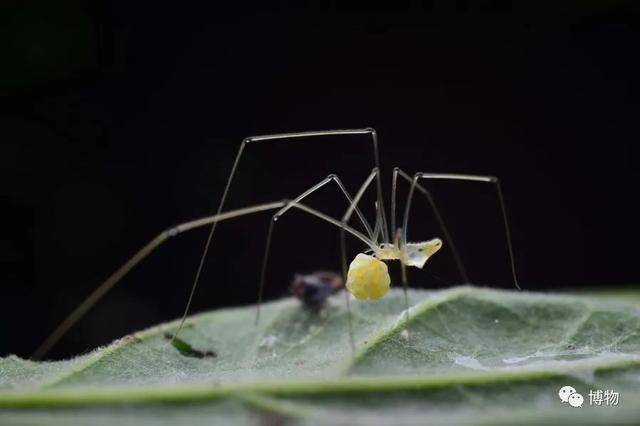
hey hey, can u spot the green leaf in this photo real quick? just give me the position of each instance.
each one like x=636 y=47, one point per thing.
x=463 y=355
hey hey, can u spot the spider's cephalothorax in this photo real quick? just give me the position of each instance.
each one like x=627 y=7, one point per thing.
x=368 y=276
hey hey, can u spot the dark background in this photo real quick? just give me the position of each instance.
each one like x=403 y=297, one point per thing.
x=118 y=120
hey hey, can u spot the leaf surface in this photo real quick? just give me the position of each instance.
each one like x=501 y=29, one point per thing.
x=462 y=355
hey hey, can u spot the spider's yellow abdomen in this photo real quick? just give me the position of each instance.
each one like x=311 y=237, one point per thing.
x=368 y=277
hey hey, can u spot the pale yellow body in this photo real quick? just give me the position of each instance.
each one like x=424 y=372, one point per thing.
x=368 y=276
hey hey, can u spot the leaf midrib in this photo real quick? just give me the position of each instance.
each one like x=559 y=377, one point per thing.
x=115 y=395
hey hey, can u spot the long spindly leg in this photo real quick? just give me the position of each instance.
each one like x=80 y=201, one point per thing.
x=151 y=246
x=252 y=139
x=471 y=178
x=353 y=206
x=447 y=235
x=138 y=257
x=371 y=241
x=405 y=284
x=403 y=269
x=343 y=227
x=288 y=206
x=380 y=225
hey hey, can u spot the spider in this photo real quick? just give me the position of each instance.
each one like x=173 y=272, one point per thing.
x=367 y=276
